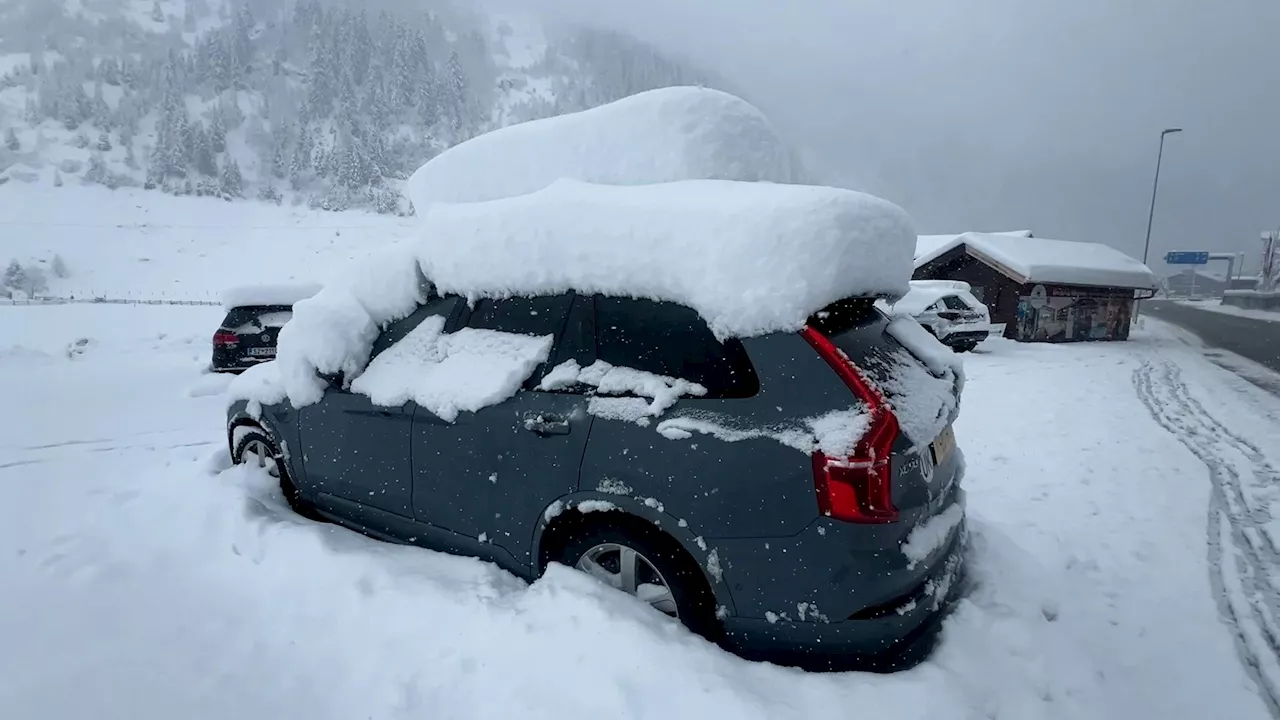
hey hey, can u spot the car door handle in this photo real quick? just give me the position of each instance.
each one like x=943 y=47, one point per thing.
x=546 y=424
x=384 y=414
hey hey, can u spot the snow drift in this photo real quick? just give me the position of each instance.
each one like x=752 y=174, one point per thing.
x=678 y=133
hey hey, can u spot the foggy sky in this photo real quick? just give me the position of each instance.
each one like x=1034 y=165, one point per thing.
x=1009 y=114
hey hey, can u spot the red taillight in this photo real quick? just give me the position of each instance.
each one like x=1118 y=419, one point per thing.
x=225 y=338
x=860 y=488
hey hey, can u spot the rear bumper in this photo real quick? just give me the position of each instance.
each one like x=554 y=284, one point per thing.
x=234 y=362
x=899 y=636
x=965 y=336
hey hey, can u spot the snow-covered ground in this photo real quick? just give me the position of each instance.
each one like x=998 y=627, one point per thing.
x=145 y=579
x=136 y=244
x=1215 y=305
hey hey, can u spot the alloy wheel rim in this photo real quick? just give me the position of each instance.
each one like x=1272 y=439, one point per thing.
x=625 y=568
x=257 y=453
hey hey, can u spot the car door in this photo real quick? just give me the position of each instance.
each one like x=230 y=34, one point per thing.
x=356 y=452
x=488 y=476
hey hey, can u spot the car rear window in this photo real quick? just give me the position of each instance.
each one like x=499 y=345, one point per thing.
x=673 y=341
x=921 y=400
x=254 y=315
x=954 y=303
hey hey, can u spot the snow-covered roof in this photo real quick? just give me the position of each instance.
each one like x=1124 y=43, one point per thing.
x=929 y=244
x=677 y=133
x=1039 y=260
x=750 y=258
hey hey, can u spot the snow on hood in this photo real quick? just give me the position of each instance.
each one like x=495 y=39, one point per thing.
x=750 y=258
x=676 y=133
x=927 y=292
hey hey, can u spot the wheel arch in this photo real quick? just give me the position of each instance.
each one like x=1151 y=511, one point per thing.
x=561 y=519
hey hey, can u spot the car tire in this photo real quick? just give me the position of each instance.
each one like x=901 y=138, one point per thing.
x=257 y=448
x=659 y=561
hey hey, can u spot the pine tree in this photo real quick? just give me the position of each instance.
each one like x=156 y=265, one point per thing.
x=189 y=18
x=169 y=157
x=101 y=111
x=104 y=143
x=157 y=14
x=300 y=163
x=241 y=41
x=455 y=98
x=232 y=183
x=201 y=151
x=97 y=172
x=60 y=267
x=320 y=73
x=280 y=150
x=57 y=179
x=15 y=276
x=130 y=159
x=11 y=140
x=217 y=133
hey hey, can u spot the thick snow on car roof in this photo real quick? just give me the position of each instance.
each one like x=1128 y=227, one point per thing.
x=750 y=258
x=1060 y=262
x=260 y=295
x=677 y=133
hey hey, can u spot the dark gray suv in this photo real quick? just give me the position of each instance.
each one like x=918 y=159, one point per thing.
x=794 y=557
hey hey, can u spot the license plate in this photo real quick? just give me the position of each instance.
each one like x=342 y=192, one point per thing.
x=943 y=445
x=262 y=352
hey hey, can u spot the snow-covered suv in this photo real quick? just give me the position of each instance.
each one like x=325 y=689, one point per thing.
x=949 y=311
x=684 y=390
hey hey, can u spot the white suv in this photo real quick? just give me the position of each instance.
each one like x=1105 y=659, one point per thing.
x=949 y=310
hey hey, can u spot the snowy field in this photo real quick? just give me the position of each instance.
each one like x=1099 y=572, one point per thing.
x=145 y=579
x=126 y=244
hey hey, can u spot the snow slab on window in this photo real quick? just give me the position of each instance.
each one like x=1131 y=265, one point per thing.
x=613 y=380
x=664 y=135
x=448 y=374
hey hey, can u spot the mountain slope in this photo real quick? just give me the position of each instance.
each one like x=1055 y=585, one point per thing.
x=316 y=102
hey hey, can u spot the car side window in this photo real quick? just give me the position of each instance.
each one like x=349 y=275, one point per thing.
x=537 y=316
x=446 y=307
x=954 y=303
x=674 y=341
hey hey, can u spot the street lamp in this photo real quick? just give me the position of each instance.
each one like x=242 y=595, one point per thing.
x=1155 y=188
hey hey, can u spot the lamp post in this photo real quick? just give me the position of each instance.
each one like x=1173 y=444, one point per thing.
x=1155 y=188
x=1151 y=216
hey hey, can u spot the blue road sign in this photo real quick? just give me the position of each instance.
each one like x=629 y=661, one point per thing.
x=1187 y=258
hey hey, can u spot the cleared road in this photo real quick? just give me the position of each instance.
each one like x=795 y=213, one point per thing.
x=1258 y=340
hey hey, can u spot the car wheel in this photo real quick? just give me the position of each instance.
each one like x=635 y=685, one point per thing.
x=966 y=347
x=257 y=448
x=650 y=566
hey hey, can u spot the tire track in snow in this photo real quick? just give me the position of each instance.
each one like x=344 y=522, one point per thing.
x=1244 y=557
